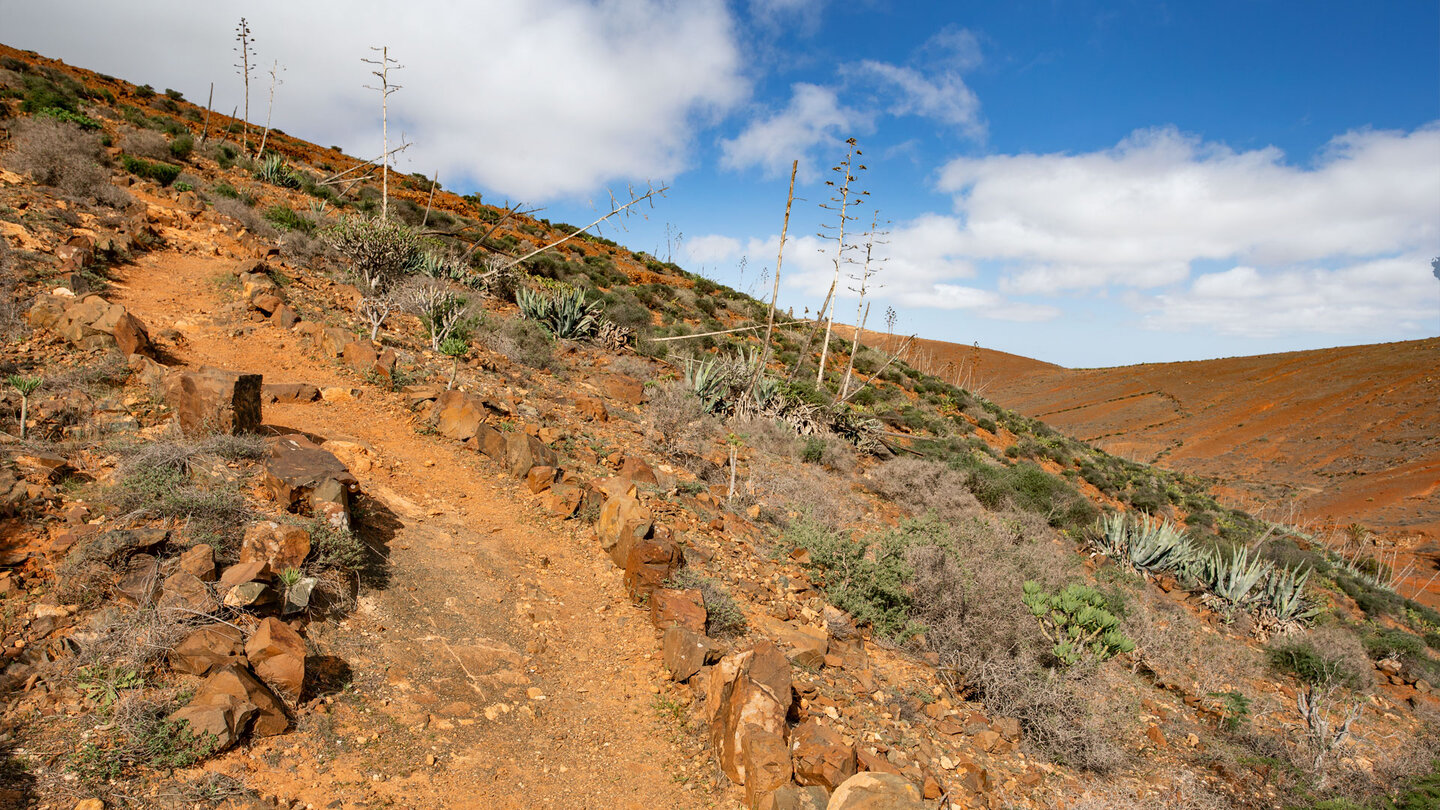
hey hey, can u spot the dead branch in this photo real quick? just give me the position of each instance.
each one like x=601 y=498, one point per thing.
x=775 y=296
x=852 y=394
x=721 y=332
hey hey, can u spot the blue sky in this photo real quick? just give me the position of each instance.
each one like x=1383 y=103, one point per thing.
x=1087 y=183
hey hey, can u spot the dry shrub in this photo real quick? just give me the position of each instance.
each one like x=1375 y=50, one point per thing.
x=11 y=308
x=146 y=143
x=66 y=157
x=838 y=455
x=1186 y=792
x=683 y=428
x=968 y=597
x=123 y=638
x=1173 y=644
x=920 y=485
x=245 y=216
x=521 y=341
x=769 y=435
x=785 y=491
x=637 y=367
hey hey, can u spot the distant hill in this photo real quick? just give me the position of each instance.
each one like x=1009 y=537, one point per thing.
x=1350 y=434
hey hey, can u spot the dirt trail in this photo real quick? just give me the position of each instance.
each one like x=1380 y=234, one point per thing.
x=500 y=644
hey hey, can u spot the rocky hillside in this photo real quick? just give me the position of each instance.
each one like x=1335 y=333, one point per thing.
x=307 y=507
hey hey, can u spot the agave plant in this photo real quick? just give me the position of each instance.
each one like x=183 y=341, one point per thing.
x=1145 y=544
x=613 y=336
x=706 y=379
x=1235 y=578
x=1284 y=594
x=572 y=317
x=564 y=312
x=276 y=171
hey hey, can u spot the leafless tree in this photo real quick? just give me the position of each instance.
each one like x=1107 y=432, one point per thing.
x=840 y=203
x=862 y=310
x=775 y=295
x=383 y=66
x=1316 y=704
x=377 y=308
x=275 y=70
x=246 y=49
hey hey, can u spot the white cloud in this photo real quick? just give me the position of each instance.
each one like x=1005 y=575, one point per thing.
x=711 y=248
x=813 y=117
x=916 y=267
x=1139 y=214
x=777 y=13
x=535 y=100
x=1390 y=296
x=943 y=97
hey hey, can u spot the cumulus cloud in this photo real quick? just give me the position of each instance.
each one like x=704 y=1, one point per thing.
x=711 y=248
x=1139 y=214
x=535 y=100
x=1388 y=296
x=917 y=266
x=813 y=117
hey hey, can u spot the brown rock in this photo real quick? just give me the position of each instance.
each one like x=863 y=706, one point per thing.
x=266 y=302
x=807 y=645
x=186 y=591
x=745 y=689
x=635 y=469
x=563 y=500
x=876 y=791
x=767 y=763
x=685 y=652
x=290 y=392
x=649 y=564
x=683 y=607
x=131 y=336
x=285 y=317
x=623 y=388
x=237 y=682
x=199 y=562
x=240 y=573
x=623 y=523
x=140 y=584
x=457 y=415
x=361 y=355
x=277 y=654
x=207 y=648
x=1008 y=727
x=868 y=760
x=592 y=409
x=540 y=478
x=41 y=466
x=522 y=452
x=793 y=797
x=280 y=546
x=821 y=756
x=219 y=717
x=299 y=473
x=213 y=399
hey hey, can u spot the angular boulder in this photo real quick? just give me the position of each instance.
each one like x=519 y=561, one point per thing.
x=185 y=592
x=685 y=652
x=290 y=392
x=821 y=756
x=623 y=523
x=649 y=564
x=563 y=500
x=876 y=791
x=198 y=561
x=302 y=475
x=457 y=415
x=747 y=691
x=792 y=797
x=210 y=647
x=277 y=654
x=524 y=452
x=767 y=764
x=280 y=546
x=215 y=400
x=683 y=607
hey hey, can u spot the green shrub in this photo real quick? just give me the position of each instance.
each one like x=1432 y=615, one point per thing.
x=1329 y=656
x=82 y=121
x=162 y=173
x=867 y=578
x=182 y=146
x=813 y=450
x=285 y=217
x=723 y=618
x=1076 y=620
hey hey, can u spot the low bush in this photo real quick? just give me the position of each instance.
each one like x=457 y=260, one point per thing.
x=145 y=143
x=723 y=618
x=286 y=218
x=921 y=485
x=522 y=341
x=64 y=156
x=162 y=173
x=1324 y=656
